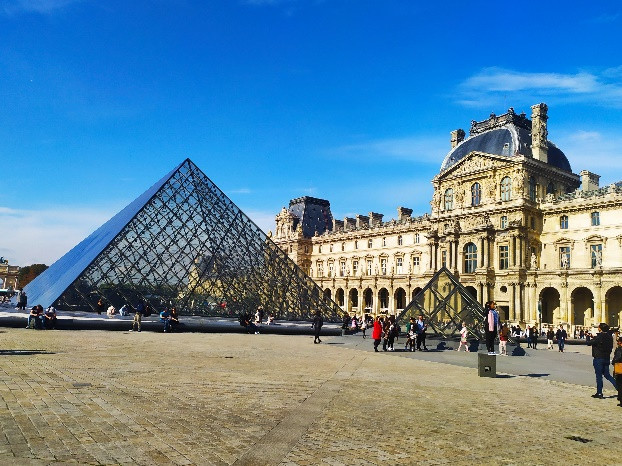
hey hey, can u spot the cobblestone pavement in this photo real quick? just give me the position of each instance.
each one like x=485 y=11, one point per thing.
x=97 y=397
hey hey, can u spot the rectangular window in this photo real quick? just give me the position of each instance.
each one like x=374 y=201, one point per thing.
x=399 y=265
x=504 y=257
x=383 y=266
x=416 y=238
x=342 y=269
x=369 y=267
x=416 y=261
x=355 y=267
x=563 y=222
x=564 y=257
x=369 y=243
x=331 y=270
x=504 y=221
x=444 y=258
x=532 y=221
x=320 y=270
x=595 y=219
x=596 y=252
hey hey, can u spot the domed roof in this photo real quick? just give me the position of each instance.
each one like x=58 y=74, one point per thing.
x=507 y=140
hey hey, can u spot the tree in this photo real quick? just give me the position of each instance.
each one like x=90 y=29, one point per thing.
x=29 y=273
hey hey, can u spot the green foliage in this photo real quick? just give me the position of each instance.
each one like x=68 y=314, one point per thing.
x=29 y=273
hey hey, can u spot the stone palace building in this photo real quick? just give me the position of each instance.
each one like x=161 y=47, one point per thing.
x=508 y=217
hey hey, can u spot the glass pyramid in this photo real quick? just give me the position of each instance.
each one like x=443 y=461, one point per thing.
x=182 y=243
x=445 y=304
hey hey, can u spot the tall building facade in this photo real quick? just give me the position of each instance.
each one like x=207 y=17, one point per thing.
x=508 y=217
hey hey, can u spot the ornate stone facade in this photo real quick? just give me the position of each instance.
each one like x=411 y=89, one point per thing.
x=508 y=216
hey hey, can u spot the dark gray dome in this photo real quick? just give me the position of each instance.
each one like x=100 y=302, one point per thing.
x=507 y=141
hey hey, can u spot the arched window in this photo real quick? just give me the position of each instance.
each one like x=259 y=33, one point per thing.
x=331 y=248
x=343 y=246
x=449 y=199
x=533 y=193
x=384 y=242
x=470 y=258
x=503 y=223
x=369 y=243
x=417 y=238
x=476 y=194
x=400 y=240
x=506 y=189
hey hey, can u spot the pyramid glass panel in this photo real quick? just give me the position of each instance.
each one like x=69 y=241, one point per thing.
x=182 y=243
x=445 y=304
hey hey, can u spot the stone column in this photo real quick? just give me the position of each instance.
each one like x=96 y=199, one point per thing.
x=512 y=311
x=391 y=302
x=513 y=251
x=565 y=306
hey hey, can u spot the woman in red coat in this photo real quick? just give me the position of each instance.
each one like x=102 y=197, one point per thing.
x=377 y=333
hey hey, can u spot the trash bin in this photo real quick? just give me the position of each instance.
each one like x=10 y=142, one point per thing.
x=487 y=365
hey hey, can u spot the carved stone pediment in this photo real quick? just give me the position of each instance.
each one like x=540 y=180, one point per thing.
x=473 y=163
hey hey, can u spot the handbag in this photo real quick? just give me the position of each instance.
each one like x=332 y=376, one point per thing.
x=617 y=368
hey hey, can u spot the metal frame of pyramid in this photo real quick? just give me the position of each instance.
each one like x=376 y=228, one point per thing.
x=445 y=304
x=182 y=243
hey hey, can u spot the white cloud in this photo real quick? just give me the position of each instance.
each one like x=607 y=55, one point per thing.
x=597 y=152
x=43 y=236
x=497 y=85
x=264 y=220
x=12 y=7
x=419 y=149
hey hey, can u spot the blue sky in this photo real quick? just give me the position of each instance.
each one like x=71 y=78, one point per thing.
x=348 y=100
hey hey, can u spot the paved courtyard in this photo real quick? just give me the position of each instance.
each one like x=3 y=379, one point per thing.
x=103 y=397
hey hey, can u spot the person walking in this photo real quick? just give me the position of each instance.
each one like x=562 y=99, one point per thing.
x=602 y=345
x=550 y=335
x=318 y=321
x=376 y=333
x=617 y=368
x=138 y=316
x=534 y=337
x=421 y=327
x=491 y=325
x=464 y=333
x=528 y=334
x=561 y=336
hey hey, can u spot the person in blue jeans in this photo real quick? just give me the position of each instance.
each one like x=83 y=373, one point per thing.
x=561 y=336
x=602 y=345
x=165 y=318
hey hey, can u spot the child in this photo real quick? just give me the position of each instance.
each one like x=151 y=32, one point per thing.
x=503 y=340
x=463 y=338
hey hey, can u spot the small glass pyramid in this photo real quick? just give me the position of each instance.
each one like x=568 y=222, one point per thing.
x=445 y=304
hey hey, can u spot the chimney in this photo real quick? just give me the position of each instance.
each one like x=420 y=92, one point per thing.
x=362 y=221
x=337 y=225
x=349 y=223
x=539 y=133
x=403 y=213
x=457 y=137
x=375 y=219
x=589 y=180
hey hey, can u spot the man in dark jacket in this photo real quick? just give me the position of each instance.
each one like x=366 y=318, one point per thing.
x=318 y=321
x=602 y=345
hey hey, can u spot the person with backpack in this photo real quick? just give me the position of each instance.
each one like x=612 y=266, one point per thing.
x=602 y=346
x=421 y=327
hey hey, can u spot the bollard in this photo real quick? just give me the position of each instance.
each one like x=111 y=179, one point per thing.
x=487 y=365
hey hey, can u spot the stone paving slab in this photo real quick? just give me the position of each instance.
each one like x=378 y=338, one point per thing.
x=97 y=397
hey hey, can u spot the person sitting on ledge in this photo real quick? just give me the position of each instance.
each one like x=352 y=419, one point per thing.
x=174 y=318
x=50 y=318
x=270 y=319
x=111 y=311
x=35 y=317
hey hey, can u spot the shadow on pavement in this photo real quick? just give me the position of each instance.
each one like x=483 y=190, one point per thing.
x=24 y=352
x=518 y=351
x=535 y=375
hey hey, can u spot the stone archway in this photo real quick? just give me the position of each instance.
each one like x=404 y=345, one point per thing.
x=327 y=293
x=613 y=304
x=383 y=298
x=368 y=300
x=472 y=291
x=353 y=301
x=550 y=300
x=340 y=297
x=400 y=299
x=415 y=292
x=582 y=306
